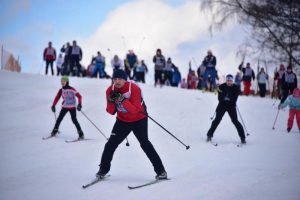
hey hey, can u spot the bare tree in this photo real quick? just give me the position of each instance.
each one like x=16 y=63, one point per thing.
x=274 y=25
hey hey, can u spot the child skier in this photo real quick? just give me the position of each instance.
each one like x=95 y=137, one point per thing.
x=68 y=94
x=294 y=103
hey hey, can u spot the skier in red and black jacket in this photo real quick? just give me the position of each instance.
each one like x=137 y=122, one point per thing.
x=125 y=99
x=68 y=94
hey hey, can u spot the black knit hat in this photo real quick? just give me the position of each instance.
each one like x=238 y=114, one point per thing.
x=120 y=74
x=229 y=77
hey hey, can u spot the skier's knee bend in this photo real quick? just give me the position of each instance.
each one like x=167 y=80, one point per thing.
x=146 y=144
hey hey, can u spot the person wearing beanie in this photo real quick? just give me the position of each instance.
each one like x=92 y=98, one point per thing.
x=227 y=95
x=278 y=78
x=49 y=57
x=125 y=98
x=68 y=94
x=289 y=83
x=159 y=65
x=293 y=101
x=262 y=80
x=248 y=75
x=209 y=62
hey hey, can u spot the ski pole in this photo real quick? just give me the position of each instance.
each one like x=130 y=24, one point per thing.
x=55 y=116
x=213 y=116
x=187 y=147
x=56 y=120
x=274 y=101
x=94 y=125
x=242 y=121
x=275 y=119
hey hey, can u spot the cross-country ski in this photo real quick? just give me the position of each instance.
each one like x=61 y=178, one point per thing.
x=147 y=183
x=96 y=180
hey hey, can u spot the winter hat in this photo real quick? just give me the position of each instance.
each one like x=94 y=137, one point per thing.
x=120 y=74
x=229 y=77
x=281 y=67
x=289 y=67
x=296 y=93
x=65 y=78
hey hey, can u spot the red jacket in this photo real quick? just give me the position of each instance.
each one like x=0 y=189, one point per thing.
x=49 y=54
x=68 y=94
x=132 y=108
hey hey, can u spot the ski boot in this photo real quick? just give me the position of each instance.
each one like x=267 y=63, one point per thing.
x=208 y=139
x=243 y=141
x=100 y=174
x=81 y=135
x=161 y=176
x=54 y=132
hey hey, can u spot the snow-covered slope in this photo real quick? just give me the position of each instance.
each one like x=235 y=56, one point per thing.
x=268 y=167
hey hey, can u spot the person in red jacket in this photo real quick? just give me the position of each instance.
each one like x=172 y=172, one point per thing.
x=248 y=75
x=49 y=56
x=68 y=94
x=125 y=99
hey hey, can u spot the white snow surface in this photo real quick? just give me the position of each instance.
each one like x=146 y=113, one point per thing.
x=268 y=167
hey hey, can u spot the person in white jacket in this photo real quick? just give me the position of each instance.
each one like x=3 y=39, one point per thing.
x=262 y=78
x=117 y=63
x=59 y=64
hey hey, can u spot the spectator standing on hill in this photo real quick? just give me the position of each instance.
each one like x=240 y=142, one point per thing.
x=99 y=62
x=141 y=70
x=117 y=63
x=248 y=75
x=209 y=63
x=159 y=65
x=278 y=78
x=168 y=72
x=262 y=78
x=131 y=62
x=59 y=64
x=75 y=53
x=66 y=65
x=49 y=56
x=238 y=80
x=176 y=77
x=289 y=83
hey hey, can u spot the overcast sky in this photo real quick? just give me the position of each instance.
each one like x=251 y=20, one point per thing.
x=177 y=27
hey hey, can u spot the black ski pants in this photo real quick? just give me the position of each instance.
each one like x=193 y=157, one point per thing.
x=120 y=131
x=62 y=114
x=51 y=66
x=220 y=111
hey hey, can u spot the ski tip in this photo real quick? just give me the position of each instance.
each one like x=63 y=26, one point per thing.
x=240 y=145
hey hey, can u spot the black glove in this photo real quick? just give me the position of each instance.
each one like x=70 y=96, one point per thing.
x=116 y=97
x=53 y=108
x=79 y=107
